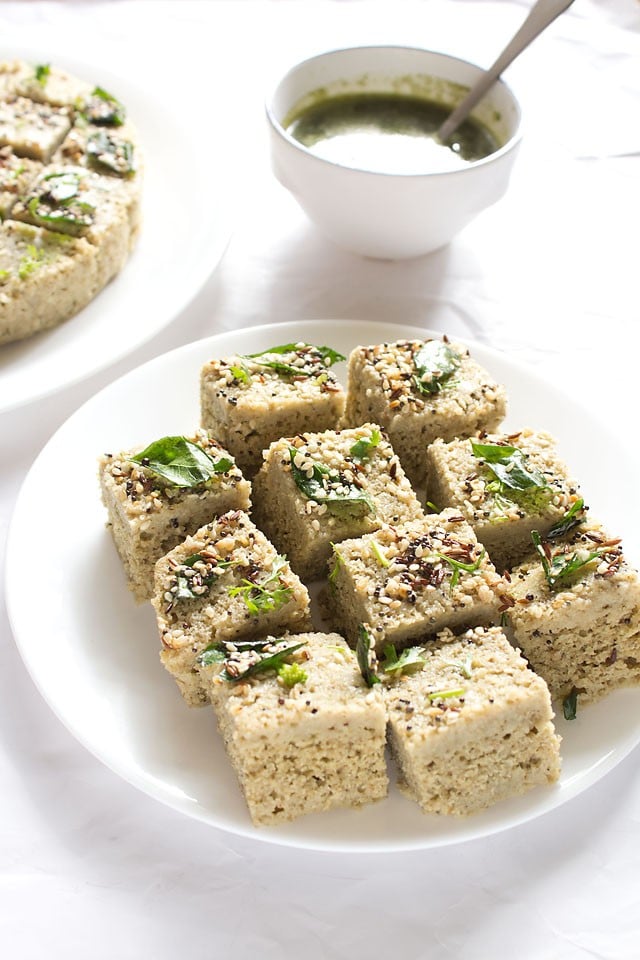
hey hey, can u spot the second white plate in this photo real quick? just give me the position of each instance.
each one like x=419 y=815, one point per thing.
x=186 y=225
x=94 y=655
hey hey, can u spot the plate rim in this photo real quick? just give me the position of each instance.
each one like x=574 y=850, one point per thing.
x=556 y=795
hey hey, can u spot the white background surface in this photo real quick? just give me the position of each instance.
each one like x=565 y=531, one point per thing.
x=91 y=868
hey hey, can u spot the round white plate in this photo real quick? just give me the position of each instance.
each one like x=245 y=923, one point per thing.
x=94 y=655
x=185 y=231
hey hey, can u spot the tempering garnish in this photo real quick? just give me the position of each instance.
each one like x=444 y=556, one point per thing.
x=103 y=109
x=111 y=153
x=559 y=568
x=435 y=363
x=457 y=566
x=410 y=659
x=572 y=518
x=59 y=201
x=304 y=359
x=320 y=483
x=570 y=704
x=365 y=656
x=180 y=462
x=509 y=466
x=195 y=575
x=267 y=594
x=363 y=448
x=246 y=659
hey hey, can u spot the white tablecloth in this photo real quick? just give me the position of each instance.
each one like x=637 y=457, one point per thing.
x=89 y=867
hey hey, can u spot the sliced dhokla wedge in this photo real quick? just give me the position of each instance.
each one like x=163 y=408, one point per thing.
x=45 y=83
x=316 y=489
x=43 y=276
x=576 y=612
x=411 y=580
x=78 y=202
x=302 y=729
x=505 y=486
x=419 y=390
x=226 y=582
x=469 y=723
x=16 y=176
x=32 y=129
x=157 y=496
x=250 y=401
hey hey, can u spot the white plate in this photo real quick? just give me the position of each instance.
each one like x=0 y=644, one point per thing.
x=185 y=231
x=94 y=655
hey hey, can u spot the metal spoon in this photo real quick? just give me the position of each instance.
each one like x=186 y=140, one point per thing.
x=540 y=16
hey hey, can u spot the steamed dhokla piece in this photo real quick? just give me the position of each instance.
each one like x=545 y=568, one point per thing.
x=44 y=277
x=45 y=83
x=505 y=486
x=226 y=582
x=16 y=175
x=80 y=203
x=419 y=390
x=158 y=495
x=250 y=401
x=410 y=581
x=316 y=489
x=303 y=731
x=32 y=129
x=576 y=614
x=110 y=152
x=471 y=724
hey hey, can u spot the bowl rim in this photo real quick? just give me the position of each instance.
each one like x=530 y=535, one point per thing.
x=509 y=146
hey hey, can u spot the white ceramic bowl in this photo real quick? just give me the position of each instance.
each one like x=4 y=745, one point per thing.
x=391 y=215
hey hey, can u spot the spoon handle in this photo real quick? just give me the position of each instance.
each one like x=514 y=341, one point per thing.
x=540 y=16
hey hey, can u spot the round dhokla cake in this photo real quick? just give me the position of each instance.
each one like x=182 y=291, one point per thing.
x=70 y=187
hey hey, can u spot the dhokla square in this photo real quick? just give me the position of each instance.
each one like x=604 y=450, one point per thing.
x=250 y=400
x=43 y=275
x=576 y=613
x=470 y=724
x=159 y=493
x=302 y=729
x=226 y=582
x=16 y=175
x=410 y=581
x=316 y=489
x=419 y=390
x=32 y=129
x=505 y=486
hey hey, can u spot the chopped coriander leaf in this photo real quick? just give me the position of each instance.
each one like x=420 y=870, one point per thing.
x=362 y=449
x=214 y=653
x=572 y=518
x=363 y=648
x=508 y=465
x=465 y=667
x=180 y=462
x=435 y=363
x=327 y=486
x=269 y=594
x=411 y=658
x=560 y=567
x=570 y=705
x=241 y=374
x=446 y=694
x=30 y=262
x=4 y=275
x=292 y=673
x=42 y=72
x=379 y=555
x=457 y=566
x=337 y=563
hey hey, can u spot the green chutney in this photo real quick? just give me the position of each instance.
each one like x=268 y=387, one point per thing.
x=387 y=133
